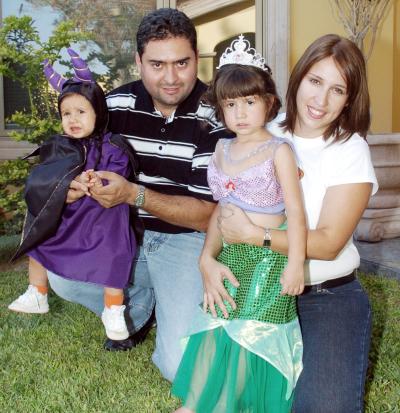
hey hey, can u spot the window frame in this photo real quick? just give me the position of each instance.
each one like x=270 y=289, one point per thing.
x=9 y=148
x=3 y=132
x=273 y=39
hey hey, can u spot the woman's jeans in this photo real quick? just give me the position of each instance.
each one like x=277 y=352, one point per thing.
x=165 y=274
x=336 y=329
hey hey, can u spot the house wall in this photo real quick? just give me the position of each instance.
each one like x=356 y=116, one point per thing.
x=396 y=69
x=218 y=26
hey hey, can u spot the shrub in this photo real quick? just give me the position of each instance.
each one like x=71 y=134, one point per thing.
x=22 y=52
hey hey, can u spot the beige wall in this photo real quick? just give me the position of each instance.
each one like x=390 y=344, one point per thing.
x=311 y=19
x=396 y=69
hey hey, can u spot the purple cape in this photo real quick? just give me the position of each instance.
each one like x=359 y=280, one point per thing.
x=92 y=243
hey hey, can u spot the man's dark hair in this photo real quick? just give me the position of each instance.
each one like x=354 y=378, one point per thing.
x=162 y=24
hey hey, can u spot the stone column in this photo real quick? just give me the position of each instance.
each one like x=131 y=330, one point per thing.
x=381 y=219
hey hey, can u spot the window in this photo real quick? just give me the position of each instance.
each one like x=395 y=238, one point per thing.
x=113 y=23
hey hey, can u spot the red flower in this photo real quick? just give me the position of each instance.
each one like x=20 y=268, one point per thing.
x=230 y=186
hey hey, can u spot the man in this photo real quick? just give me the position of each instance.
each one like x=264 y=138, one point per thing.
x=174 y=136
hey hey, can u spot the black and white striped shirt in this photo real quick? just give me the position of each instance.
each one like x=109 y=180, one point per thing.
x=173 y=153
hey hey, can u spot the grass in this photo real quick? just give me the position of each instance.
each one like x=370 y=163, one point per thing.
x=55 y=363
x=383 y=383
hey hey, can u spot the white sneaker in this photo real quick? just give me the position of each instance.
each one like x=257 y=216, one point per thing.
x=31 y=301
x=114 y=322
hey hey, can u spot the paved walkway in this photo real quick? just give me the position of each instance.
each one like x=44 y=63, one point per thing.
x=381 y=258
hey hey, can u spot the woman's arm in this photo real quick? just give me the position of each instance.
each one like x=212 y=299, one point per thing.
x=292 y=279
x=341 y=211
x=214 y=272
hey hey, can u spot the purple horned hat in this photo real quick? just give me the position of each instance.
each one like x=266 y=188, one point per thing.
x=82 y=72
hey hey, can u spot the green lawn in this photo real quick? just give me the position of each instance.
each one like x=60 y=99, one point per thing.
x=55 y=362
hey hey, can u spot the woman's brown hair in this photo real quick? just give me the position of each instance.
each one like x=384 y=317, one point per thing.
x=355 y=116
x=236 y=80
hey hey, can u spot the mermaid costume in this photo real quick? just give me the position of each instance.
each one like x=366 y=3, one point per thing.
x=251 y=361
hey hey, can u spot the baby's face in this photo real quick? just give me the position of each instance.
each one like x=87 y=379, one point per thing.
x=77 y=116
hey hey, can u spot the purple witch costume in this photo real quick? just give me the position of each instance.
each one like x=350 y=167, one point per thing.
x=81 y=241
x=92 y=243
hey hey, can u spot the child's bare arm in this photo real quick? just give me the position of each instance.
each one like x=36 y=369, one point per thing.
x=292 y=279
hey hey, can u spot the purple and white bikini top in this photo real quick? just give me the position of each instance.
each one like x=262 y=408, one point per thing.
x=249 y=182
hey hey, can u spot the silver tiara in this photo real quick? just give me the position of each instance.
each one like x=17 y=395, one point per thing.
x=241 y=52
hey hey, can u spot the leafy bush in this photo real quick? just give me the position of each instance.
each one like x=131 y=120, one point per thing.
x=22 y=52
x=8 y=245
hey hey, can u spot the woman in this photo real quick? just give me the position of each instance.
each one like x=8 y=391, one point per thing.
x=327 y=118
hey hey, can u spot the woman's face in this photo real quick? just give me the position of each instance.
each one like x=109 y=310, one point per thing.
x=320 y=99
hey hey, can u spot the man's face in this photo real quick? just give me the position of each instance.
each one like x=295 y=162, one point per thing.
x=168 y=69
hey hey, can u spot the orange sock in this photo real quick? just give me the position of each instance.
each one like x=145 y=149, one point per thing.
x=42 y=289
x=111 y=299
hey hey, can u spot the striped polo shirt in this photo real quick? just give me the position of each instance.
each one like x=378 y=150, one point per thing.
x=173 y=152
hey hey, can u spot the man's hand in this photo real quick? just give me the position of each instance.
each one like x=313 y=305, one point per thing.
x=117 y=190
x=215 y=293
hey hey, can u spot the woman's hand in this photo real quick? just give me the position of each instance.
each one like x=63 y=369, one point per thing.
x=235 y=225
x=215 y=293
x=292 y=279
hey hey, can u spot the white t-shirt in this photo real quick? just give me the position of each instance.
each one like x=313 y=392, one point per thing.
x=323 y=166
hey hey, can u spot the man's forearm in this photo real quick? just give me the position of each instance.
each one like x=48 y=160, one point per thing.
x=185 y=211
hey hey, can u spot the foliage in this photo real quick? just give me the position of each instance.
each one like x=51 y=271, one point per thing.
x=22 y=52
x=8 y=245
x=115 y=35
x=12 y=177
x=55 y=362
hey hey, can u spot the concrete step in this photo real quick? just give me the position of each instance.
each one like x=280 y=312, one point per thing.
x=382 y=258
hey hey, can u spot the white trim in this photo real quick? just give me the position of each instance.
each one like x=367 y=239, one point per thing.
x=12 y=149
x=273 y=38
x=196 y=8
x=166 y=3
x=2 y=121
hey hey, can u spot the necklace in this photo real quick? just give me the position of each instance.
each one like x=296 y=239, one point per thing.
x=227 y=155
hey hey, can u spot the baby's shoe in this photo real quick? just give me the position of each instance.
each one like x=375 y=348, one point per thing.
x=114 y=322
x=31 y=301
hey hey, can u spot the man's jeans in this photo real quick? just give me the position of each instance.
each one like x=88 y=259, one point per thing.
x=166 y=273
x=336 y=329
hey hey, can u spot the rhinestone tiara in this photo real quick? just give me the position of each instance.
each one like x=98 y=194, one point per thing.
x=241 y=52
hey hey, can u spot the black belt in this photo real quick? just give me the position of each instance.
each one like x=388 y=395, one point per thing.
x=336 y=282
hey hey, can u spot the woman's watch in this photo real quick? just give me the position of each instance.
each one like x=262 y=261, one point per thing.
x=267 y=238
x=139 y=200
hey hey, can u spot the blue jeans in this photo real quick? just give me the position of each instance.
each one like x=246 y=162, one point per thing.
x=336 y=329
x=165 y=273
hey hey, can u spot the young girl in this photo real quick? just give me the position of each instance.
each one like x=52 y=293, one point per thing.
x=327 y=121
x=246 y=357
x=81 y=241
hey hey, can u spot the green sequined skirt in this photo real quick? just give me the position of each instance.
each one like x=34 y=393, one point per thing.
x=250 y=362
x=258 y=296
